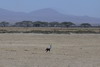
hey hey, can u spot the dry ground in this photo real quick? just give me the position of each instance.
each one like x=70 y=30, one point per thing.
x=28 y=50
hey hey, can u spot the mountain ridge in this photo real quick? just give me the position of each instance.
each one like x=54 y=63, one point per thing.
x=46 y=14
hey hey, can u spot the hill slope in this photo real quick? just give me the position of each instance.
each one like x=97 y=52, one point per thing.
x=46 y=14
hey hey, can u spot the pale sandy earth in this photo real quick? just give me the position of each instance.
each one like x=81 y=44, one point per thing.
x=28 y=50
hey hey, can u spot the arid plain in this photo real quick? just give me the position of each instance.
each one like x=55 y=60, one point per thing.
x=68 y=50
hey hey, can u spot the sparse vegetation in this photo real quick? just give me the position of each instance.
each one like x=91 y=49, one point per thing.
x=48 y=30
x=47 y=27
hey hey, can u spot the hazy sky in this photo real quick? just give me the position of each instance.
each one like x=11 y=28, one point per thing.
x=73 y=7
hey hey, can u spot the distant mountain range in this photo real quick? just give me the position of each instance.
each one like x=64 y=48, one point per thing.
x=46 y=14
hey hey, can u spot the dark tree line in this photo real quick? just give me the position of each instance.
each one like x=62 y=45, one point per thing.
x=43 y=24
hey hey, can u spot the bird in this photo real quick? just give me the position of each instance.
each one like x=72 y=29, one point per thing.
x=48 y=48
